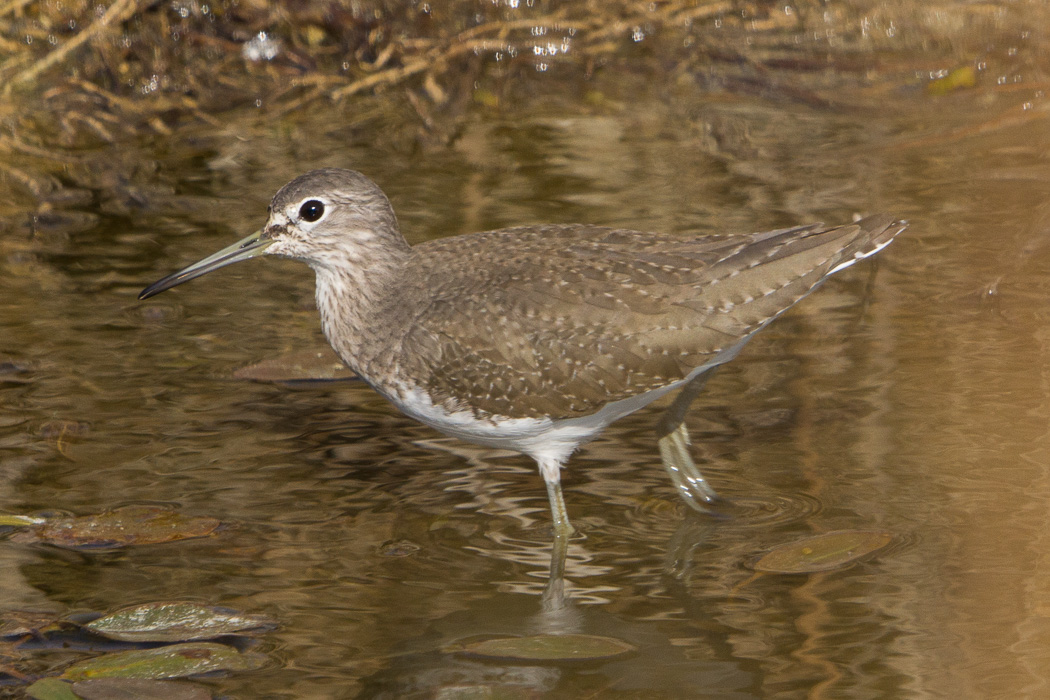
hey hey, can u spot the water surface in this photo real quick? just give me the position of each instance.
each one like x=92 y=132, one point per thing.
x=909 y=394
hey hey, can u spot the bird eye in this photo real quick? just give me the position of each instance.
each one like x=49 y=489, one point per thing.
x=311 y=210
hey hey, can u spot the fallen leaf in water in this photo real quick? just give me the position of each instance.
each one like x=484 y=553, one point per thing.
x=832 y=550
x=138 y=689
x=7 y=520
x=174 y=622
x=132 y=525
x=51 y=689
x=175 y=661
x=549 y=648
x=302 y=366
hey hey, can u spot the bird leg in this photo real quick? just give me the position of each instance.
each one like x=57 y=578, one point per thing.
x=553 y=597
x=554 y=591
x=550 y=469
x=674 y=449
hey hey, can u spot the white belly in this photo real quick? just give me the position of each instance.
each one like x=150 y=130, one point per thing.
x=543 y=439
x=540 y=438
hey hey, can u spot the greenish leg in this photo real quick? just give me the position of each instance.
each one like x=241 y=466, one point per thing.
x=551 y=471
x=554 y=591
x=690 y=483
x=674 y=449
x=553 y=598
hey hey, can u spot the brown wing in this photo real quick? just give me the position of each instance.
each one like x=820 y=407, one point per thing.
x=560 y=320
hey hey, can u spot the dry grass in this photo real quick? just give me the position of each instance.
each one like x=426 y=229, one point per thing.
x=75 y=74
x=89 y=74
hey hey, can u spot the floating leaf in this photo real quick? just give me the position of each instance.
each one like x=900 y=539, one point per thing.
x=174 y=622
x=175 y=661
x=19 y=520
x=138 y=689
x=302 y=366
x=832 y=550
x=118 y=528
x=549 y=648
x=51 y=689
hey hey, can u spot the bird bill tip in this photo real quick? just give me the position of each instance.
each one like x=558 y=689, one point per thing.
x=247 y=247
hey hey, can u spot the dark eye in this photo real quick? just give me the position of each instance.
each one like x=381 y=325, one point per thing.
x=311 y=210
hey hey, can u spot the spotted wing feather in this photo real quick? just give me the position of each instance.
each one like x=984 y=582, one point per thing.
x=560 y=320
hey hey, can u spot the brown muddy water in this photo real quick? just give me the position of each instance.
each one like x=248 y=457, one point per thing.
x=910 y=394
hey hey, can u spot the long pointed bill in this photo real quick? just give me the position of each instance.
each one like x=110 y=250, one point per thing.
x=243 y=249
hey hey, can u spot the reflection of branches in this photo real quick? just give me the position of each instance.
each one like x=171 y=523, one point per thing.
x=117 y=12
x=1018 y=116
x=436 y=55
x=171 y=66
x=416 y=66
x=421 y=55
x=13 y=6
x=11 y=143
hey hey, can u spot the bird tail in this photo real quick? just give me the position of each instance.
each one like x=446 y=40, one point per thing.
x=874 y=233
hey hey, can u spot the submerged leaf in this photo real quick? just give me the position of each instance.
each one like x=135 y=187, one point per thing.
x=51 y=689
x=7 y=520
x=132 y=525
x=549 y=648
x=832 y=550
x=138 y=689
x=174 y=622
x=302 y=366
x=175 y=661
